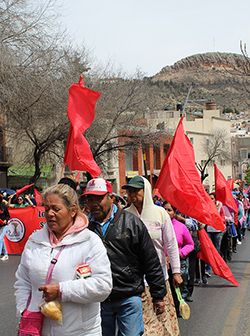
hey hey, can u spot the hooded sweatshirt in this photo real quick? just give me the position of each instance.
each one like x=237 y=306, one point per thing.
x=160 y=229
x=80 y=297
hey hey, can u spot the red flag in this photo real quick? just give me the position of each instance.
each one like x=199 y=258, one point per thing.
x=81 y=113
x=222 y=190
x=23 y=189
x=210 y=255
x=180 y=184
x=38 y=197
x=22 y=222
x=230 y=184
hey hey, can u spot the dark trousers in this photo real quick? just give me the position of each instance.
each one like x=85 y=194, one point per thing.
x=226 y=247
x=200 y=269
x=191 y=270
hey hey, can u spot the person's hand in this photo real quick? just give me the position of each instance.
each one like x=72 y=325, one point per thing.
x=177 y=279
x=51 y=292
x=159 y=306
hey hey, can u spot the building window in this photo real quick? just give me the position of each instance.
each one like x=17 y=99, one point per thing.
x=129 y=160
x=243 y=154
x=222 y=162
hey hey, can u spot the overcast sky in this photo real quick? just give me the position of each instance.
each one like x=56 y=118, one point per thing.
x=149 y=35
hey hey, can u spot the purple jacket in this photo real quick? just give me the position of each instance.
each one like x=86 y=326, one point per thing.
x=184 y=238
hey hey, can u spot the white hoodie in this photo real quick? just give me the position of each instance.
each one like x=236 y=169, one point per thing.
x=80 y=298
x=160 y=229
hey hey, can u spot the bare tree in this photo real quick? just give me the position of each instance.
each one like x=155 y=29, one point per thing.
x=215 y=147
x=120 y=120
x=35 y=74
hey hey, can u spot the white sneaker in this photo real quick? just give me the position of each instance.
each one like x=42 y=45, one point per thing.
x=5 y=258
x=239 y=242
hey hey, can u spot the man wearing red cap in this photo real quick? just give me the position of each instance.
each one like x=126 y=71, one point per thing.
x=132 y=256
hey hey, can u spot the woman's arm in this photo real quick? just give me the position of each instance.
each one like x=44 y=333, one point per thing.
x=29 y=200
x=22 y=285
x=9 y=201
x=170 y=244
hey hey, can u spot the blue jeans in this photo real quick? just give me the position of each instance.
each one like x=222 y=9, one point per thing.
x=216 y=239
x=124 y=315
x=2 y=245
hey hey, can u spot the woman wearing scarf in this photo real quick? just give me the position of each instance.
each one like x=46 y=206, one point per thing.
x=162 y=233
x=81 y=277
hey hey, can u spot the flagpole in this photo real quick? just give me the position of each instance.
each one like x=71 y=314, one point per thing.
x=186 y=100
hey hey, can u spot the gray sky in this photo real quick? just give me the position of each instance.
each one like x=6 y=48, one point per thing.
x=152 y=34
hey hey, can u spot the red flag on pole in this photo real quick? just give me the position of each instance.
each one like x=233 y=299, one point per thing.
x=38 y=197
x=222 y=190
x=210 y=255
x=23 y=189
x=81 y=113
x=180 y=184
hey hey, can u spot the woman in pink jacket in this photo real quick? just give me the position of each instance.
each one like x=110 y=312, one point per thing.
x=185 y=244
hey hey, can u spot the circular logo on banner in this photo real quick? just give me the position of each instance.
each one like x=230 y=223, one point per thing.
x=16 y=230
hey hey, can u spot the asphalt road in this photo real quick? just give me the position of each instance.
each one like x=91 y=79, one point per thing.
x=219 y=309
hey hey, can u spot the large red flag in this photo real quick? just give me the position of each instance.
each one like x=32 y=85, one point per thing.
x=81 y=113
x=180 y=184
x=222 y=190
x=23 y=189
x=210 y=255
x=230 y=184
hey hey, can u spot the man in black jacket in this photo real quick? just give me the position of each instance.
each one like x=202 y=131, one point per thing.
x=132 y=256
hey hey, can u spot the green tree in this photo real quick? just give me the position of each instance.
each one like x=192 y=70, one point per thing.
x=247 y=175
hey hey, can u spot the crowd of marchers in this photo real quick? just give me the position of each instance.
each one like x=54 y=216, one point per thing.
x=111 y=265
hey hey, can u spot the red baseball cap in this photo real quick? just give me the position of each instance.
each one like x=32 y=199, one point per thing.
x=98 y=186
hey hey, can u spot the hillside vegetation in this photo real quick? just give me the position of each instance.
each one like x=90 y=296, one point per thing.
x=213 y=76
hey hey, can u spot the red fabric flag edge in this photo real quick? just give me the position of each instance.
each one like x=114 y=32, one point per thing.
x=23 y=189
x=210 y=255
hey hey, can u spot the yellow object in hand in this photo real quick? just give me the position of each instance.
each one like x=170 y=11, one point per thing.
x=52 y=310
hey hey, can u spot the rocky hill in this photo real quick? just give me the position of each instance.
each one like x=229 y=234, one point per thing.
x=213 y=76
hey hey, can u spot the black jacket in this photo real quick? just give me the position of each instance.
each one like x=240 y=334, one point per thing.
x=132 y=255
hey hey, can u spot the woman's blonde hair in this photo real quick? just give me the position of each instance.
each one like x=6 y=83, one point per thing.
x=66 y=193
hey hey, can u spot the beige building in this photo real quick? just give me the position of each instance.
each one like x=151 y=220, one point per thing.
x=201 y=129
